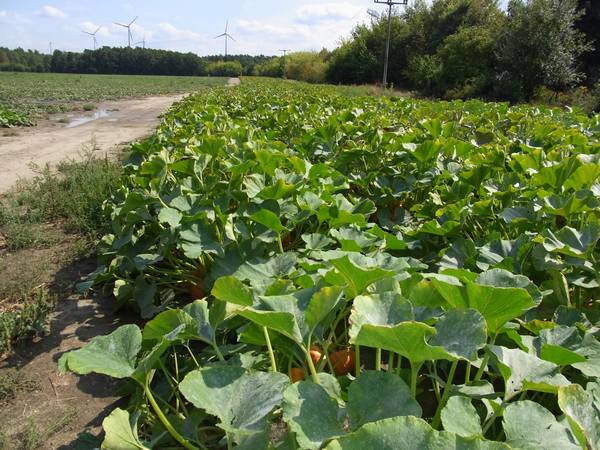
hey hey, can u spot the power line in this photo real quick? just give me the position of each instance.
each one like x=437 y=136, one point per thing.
x=390 y=4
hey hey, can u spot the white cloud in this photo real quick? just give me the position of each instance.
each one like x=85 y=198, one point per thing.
x=311 y=27
x=319 y=12
x=172 y=32
x=90 y=27
x=3 y=13
x=51 y=11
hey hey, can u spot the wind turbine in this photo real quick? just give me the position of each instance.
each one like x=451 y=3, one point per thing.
x=143 y=42
x=227 y=36
x=93 y=35
x=128 y=26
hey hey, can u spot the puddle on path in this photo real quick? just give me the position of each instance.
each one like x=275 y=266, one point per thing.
x=77 y=121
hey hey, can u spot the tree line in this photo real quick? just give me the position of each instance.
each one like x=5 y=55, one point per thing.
x=128 y=61
x=468 y=48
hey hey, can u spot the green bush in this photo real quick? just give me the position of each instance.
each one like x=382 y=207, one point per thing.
x=425 y=72
x=467 y=59
x=306 y=66
x=272 y=68
x=225 y=69
x=25 y=319
x=539 y=46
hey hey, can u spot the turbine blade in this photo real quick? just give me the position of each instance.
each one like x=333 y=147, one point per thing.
x=231 y=37
x=120 y=24
x=98 y=29
x=136 y=17
x=226 y=25
x=221 y=35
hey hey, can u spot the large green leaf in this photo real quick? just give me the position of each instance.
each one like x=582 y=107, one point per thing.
x=282 y=322
x=269 y=219
x=113 y=355
x=378 y=395
x=232 y=290
x=242 y=401
x=408 y=433
x=171 y=325
x=497 y=305
x=569 y=241
x=460 y=416
x=522 y=371
x=530 y=426
x=321 y=305
x=121 y=431
x=357 y=279
x=388 y=308
x=312 y=414
x=462 y=332
x=409 y=339
x=583 y=411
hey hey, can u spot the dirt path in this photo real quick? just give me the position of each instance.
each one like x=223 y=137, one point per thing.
x=117 y=123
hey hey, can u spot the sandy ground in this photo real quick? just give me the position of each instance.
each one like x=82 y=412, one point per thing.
x=51 y=142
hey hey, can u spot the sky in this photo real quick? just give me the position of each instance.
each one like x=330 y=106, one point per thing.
x=258 y=26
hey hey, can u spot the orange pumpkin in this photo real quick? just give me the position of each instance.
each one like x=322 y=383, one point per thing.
x=343 y=361
x=296 y=374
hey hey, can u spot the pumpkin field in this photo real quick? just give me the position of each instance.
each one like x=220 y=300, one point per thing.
x=314 y=270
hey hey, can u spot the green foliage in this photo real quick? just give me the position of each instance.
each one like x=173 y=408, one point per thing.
x=224 y=69
x=426 y=273
x=10 y=119
x=74 y=194
x=28 y=318
x=539 y=45
x=306 y=66
x=472 y=48
x=272 y=68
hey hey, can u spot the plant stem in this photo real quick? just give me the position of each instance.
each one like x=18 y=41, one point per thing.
x=390 y=366
x=280 y=243
x=217 y=351
x=378 y=359
x=399 y=366
x=356 y=360
x=270 y=348
x=468 y=373
x=414 y=374
x=168 y=426
x=481 y=369
x=435 y=423
x=488 y=424
x=436 y=384
x=311 y=367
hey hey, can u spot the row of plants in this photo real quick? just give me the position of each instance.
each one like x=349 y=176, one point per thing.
x=9 y=119
x=317 y=271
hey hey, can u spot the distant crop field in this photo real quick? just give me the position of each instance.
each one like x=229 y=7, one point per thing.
x=35 y=95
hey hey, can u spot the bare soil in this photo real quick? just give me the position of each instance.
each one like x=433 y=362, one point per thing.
x=52 y=141
x=77 y=404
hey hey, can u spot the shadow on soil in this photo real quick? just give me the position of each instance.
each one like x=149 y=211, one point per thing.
x=76 y=319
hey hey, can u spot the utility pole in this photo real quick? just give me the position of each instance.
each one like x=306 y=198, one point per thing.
x=390 y=4
x=285 y=51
